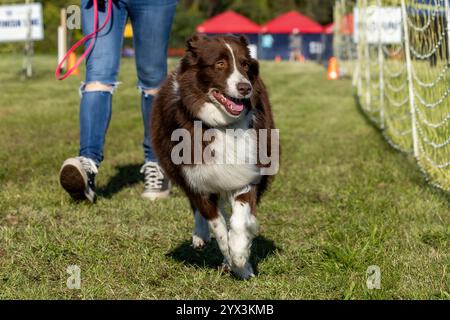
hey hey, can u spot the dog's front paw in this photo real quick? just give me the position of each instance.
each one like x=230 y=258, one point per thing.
x=243 y=273
x=199 y=243
x=226 y=267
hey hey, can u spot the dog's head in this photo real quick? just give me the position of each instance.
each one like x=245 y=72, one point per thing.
x=223 y=74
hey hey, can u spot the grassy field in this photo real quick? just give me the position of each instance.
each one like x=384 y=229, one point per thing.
x=343 y=201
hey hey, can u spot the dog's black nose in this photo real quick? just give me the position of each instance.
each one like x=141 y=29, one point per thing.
x=244 y=88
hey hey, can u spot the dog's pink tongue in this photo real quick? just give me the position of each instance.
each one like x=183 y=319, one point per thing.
x=236 y=107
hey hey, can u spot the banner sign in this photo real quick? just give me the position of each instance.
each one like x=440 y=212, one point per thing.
x=15 y=22
x=381 y=23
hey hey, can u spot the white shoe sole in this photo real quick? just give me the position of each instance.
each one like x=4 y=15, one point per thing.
x=155 y=195
x=74 y=180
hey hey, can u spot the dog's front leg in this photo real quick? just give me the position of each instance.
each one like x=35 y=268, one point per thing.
x=243 y=229
x=200 y=235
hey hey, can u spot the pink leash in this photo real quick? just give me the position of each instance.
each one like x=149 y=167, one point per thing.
x=82 y=41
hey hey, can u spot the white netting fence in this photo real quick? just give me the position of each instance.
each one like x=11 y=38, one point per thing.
x=402 y=77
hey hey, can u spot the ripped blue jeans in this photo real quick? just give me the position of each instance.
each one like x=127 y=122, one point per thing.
x=151 y=21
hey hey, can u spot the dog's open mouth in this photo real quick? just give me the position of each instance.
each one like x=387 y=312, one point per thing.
x=232 y=105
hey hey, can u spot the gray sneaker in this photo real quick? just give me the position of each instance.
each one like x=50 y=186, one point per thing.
x=77 y=177
x=156 y=184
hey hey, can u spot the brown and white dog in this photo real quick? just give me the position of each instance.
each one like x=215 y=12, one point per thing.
x=217 y=86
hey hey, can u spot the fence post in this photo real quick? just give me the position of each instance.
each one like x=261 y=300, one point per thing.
x=447 y=16
x=410 y=81
x=343 y=23
x=368 y=76
x=357 y=74
x=381 y=64
x=27 y=67
x=62 y=37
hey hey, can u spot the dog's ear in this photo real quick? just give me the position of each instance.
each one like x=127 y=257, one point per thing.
x=193 y=44
x=243 y=39
x=254 y=69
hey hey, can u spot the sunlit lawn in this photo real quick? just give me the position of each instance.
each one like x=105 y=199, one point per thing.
x=343 y=201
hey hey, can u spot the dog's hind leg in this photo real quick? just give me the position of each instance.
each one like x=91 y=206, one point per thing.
x=243 y=229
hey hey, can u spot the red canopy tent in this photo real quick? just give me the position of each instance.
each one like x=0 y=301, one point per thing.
x=329 y=28
x=229 y=22
x=345 y=28
x=290 y=22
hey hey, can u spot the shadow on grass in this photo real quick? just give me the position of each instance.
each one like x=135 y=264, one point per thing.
x=211 y=257
x=125 y=177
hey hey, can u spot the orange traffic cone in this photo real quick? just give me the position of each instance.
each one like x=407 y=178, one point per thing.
x=71 y=62
x=333 y=70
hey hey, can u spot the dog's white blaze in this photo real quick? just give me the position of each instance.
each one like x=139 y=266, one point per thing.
x=200 y=235
x=236 y=167
x=235 y=77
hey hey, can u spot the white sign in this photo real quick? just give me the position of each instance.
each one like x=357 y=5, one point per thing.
x=15 y=22
x=316 y=48
x=383 y=24
x=253 y=48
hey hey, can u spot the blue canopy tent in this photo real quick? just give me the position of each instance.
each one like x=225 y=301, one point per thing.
x=279 y=34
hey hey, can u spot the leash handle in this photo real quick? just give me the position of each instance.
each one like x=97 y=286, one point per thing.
x=82 y=41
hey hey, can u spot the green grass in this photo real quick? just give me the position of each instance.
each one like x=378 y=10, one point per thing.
x=343 y=201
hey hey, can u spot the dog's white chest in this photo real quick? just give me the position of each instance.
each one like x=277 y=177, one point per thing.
x=231 y=165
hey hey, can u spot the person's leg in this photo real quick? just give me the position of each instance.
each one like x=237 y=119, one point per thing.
x=152 y=23
x=77 y=175
x=102 y=66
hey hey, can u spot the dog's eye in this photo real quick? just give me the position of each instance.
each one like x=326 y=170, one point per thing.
x=221 y=64
x=245 y=65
